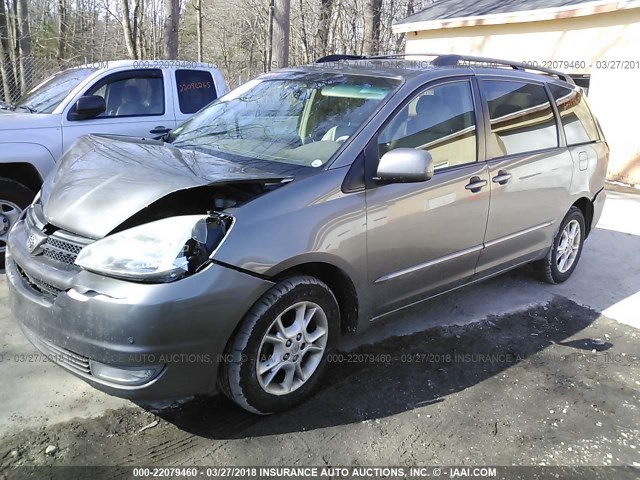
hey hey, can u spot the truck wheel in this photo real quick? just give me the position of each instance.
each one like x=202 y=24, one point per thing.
x=280 y=349
x=562 y=258
x=14 y=197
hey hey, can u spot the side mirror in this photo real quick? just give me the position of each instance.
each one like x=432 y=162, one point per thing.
x=405 y=165
x=89 y=106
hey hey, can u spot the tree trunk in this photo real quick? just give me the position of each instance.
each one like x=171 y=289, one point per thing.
x=372 y=11
x=269 y=49
x=303 y=34
x=129 y=39
x=324 y=24
x=25 y=45
x=62 y=27
x=401 y=37
x=281 y=26
x=8 y=78
x=198 y=7
x=171 y=24
x=139 y=33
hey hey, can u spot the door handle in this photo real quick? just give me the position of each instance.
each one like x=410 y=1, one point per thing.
x=502 y=177
x=159 y=130
x=475 y=184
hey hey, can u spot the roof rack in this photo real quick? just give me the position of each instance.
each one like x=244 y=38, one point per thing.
x=338 y=57
x=452 y=60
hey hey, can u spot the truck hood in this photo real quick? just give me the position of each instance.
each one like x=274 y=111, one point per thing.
x=103 y=180
x=22 y=120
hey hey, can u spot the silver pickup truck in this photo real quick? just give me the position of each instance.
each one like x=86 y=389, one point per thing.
x=145 y=98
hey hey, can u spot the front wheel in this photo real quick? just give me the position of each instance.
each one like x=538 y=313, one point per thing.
x=280 y=349
x=562 y=258
x=14 y=197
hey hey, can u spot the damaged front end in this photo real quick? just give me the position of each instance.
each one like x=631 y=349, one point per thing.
x=141 y=210
x=160 y=251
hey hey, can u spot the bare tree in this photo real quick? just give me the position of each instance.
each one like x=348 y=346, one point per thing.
x=324 y=24
x=129 y=38
x=372 y=14
x=24 y=42
x=281 y=26
x=171 y=24
x=198 y=7
x=62 y=31
x=8 y=78
x=138 y=30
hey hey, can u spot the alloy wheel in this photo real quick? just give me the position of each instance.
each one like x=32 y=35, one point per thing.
x=292 y=348
x=568 y=246
x=9 y=214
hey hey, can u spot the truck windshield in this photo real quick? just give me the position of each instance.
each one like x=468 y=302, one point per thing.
x=46 y=96
x=297 y=121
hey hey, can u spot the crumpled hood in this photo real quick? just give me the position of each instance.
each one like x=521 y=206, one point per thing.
x=103 y=180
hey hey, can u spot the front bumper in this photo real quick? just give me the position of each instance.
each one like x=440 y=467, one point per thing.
x=182 y=326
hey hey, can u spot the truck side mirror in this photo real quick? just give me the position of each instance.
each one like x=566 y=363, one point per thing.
x=89 y=106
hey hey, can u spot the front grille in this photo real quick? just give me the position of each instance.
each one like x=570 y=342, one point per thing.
x=61 y=250
x=39 y=285
x=63 y=357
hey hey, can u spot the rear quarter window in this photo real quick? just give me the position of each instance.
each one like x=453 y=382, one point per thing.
x=196 y=89
x=521 y=116
x=577 y=121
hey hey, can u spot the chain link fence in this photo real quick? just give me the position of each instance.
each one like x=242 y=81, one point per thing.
x=18 y=76
x=21 y=74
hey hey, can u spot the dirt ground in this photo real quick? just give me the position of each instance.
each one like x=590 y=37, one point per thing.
x=557 y=384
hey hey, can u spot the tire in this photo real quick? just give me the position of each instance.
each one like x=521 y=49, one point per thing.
x=551 y=269
x=250 y=347
x=14 y=197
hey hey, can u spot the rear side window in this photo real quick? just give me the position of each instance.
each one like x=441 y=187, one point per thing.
x=521 y=118
x=195 y=90
x=577 y=121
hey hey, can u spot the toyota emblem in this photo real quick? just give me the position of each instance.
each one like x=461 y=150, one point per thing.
x=32 y=243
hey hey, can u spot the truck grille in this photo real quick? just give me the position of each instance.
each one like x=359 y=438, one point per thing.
x=61 y=250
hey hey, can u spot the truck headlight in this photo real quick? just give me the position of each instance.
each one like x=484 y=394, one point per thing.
x=160 y=251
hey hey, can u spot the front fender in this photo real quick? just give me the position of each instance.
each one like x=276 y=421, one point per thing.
x=30 y=153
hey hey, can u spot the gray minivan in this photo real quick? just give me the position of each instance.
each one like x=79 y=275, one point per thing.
x=304 y=205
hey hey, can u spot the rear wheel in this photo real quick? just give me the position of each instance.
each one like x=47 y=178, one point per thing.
x=280 y=349
x=14 y=197
x=562 y=258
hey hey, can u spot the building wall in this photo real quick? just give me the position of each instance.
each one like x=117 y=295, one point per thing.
x=614 y=93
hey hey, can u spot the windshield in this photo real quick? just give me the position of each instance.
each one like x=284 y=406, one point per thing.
x=45 y=97
x=300 y=122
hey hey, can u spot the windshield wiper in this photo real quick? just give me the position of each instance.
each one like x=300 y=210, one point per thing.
x=190 y=138
x=7 y=106
x=27 y=108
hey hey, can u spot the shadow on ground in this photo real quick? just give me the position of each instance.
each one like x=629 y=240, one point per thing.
x=402 y=373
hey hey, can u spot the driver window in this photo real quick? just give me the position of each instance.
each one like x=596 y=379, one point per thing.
x=440 y=120
x=135 y=95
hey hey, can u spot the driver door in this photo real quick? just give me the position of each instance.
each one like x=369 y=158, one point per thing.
x=135 y=105
x=426 y=237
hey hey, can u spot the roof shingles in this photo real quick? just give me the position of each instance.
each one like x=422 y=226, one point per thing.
x=448 y=9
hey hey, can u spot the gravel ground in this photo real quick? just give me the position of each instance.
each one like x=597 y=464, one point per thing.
x=557 y=384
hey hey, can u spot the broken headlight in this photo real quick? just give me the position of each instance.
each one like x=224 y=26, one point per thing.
x=160 y=251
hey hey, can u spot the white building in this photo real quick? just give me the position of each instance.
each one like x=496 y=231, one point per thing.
x=597 y=42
